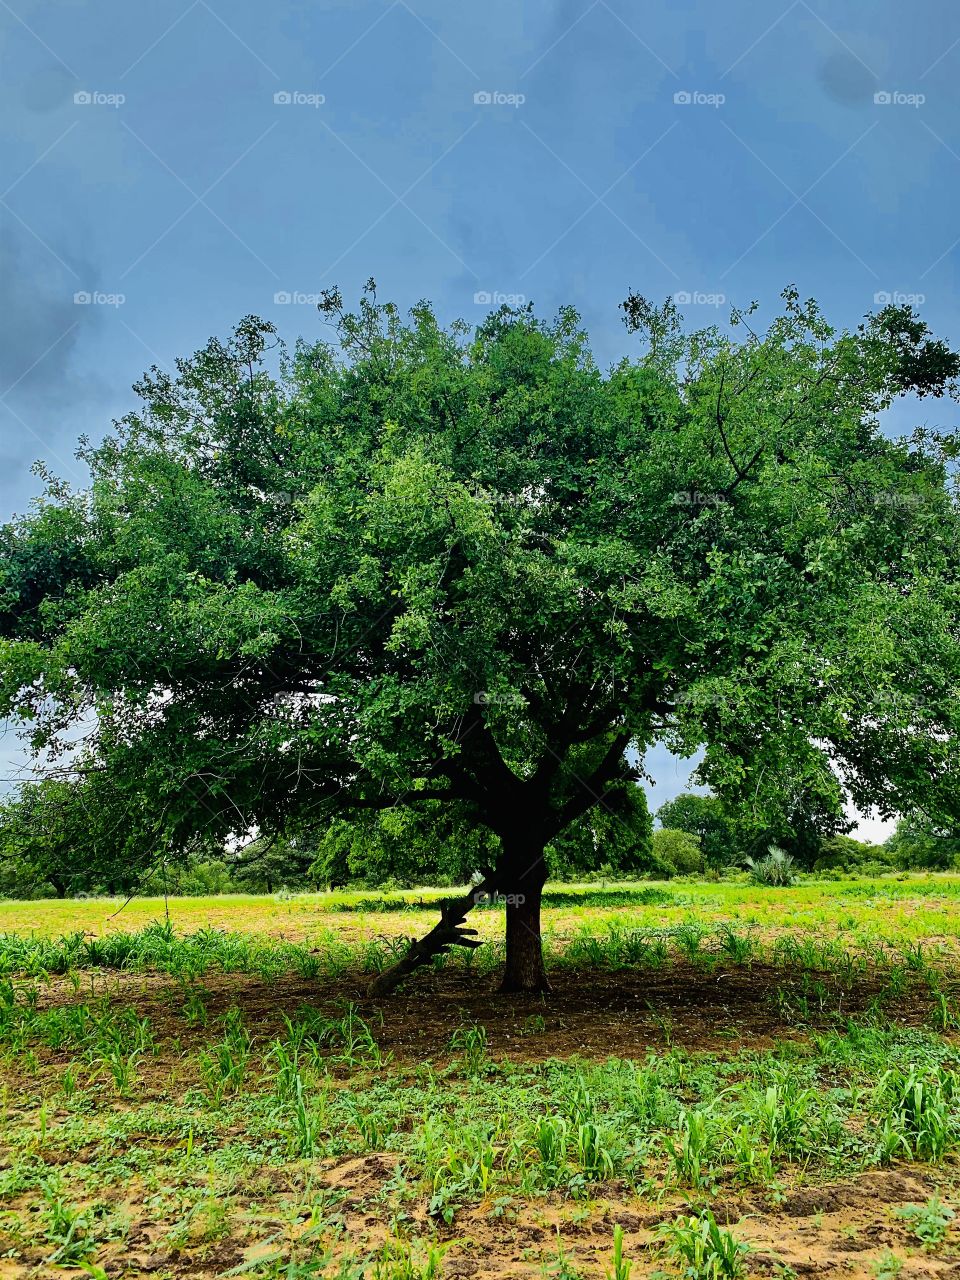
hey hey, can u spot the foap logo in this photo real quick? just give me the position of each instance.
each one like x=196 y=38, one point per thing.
x=896 y=98
x=496 y=298
x=697 y=298
x=295 y=98
x=285 y=298
x=86 y=298
x=496 y=98
x=94 y=98
x=894 y=498
x=694 y=498
x=896 y=298
x=696 y=98
x=499 y=899
x=484 y=698
x=701 y=698
x=500 y=499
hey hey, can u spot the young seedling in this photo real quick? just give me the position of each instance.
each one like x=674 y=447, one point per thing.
x=928 y=1222
x=708 y=1251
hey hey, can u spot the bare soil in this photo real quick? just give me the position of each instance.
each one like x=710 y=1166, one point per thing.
x=842 y=1229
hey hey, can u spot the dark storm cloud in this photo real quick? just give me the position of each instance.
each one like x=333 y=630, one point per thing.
x=41 y=379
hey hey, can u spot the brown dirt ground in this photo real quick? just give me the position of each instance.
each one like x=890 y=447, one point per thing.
x=620 y=1013
x=838 y=1230
x=843 y=1230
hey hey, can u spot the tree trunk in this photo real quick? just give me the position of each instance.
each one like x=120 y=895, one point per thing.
x=517 y=880
x=524 y=969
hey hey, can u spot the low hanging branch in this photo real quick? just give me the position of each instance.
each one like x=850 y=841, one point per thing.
x=448 y=932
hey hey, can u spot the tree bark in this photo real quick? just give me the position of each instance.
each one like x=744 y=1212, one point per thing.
x=449 y=932
x=524 y=970
x=517 y=880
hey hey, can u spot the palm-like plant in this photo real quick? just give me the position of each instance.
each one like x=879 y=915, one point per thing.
x=777 y=868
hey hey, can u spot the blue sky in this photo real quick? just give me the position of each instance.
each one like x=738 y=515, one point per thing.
x=187 y=162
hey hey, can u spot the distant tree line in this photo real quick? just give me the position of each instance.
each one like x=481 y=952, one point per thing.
x=697 y=833
x=61 y=838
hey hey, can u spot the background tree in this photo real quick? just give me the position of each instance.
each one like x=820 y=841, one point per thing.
x=727 y=836
x=404 y=845
x=269 y=863
x=858 y=857
x=719 y=836
x=41 y=828
x=680 y=851
x=471 y=568
x=616 y=836
x=921 y=844
x=84 y=834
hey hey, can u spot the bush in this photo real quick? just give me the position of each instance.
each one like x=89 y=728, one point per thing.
x=678 y=850
x=777 y=868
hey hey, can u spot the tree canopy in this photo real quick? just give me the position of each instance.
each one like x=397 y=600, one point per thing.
x=468 y=569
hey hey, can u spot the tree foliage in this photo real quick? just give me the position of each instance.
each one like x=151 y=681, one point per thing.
x=680 y=851
x=435 y=566
x=920 y=844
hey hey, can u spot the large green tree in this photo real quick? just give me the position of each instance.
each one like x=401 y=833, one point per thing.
x=426 y=565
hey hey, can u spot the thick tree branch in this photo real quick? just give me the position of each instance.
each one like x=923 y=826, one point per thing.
x=448 y=932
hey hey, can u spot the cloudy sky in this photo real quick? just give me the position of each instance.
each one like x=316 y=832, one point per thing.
x=168 y=168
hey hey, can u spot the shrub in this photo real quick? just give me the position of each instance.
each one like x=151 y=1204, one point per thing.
x=777 y=868
x=678 y=850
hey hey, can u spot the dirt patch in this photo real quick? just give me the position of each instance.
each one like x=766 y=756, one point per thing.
x=852 y=1230
x=885 y=1187
x=596 y=1014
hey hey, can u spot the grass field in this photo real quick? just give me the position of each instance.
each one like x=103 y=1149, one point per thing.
x=725 y=1081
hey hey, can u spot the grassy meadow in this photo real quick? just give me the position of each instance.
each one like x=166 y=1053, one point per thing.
x=726 y=1081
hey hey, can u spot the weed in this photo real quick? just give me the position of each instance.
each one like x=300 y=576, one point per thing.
x=888 y=1266
x=928 y=1222
x=705 y=1250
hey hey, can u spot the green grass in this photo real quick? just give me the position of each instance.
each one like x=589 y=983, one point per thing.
x=157 y=1103
x=886 y=909
x=481 y=1130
